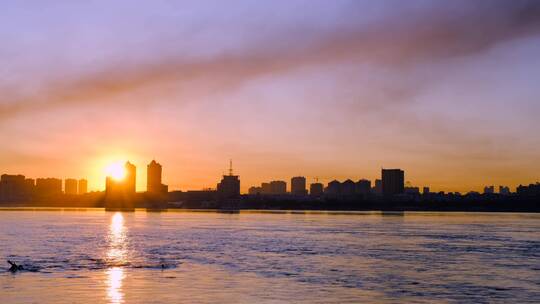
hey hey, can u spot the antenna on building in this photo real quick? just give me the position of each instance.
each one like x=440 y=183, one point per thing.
x=230 y=167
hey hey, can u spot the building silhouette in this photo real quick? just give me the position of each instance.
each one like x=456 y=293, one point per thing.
x=363 y=187
x=255 y=190
x=131 y=178
x=12 y=188
x=29 y=187
x=204 y=197
x=265 y=188
x=412 y=190
x=46 y=187
x=333 y=188
x=393 y=181
x=504 y=190
x=377 y=189
x=316 y=189
x=529 y=191
x=229 y=186
x=83 y=186
x=70 y=186
x=298 y=186
x=426 y=190
x=120 y=194
x=153 y=179
x=348 y=188
x=278 y=187
x=489 y=189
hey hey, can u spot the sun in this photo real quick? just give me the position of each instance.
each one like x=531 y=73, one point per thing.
x=116 y=170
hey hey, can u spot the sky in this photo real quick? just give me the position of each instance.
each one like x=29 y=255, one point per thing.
x=446 y=90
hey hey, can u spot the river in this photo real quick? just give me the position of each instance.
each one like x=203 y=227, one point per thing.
x=94 y=256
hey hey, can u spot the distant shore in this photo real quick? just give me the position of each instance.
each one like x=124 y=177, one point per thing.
x=387 y=211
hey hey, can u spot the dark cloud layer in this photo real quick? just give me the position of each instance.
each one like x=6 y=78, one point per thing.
x=430 y=34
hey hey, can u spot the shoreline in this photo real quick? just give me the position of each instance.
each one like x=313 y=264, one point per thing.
x=265 y=211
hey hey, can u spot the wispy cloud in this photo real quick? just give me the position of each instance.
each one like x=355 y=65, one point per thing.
x=445 y=30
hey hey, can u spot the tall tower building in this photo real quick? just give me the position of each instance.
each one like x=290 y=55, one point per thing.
x=298 y=185
x=83 y=186
x=393 y=181
x=229 y=187
x=70 y=186
x=131 y=178
x=120 y=193
x=153 y=180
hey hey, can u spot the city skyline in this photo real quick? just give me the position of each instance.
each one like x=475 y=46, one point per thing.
x=391 y=192
x=322 y=89
x=99 y=184
x=125 y=175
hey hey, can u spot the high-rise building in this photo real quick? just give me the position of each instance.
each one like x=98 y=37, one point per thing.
x=265 y=188
x=131 y=178
x=333 y=188
x=83 y=186
x=278 y=187
x=426 y=190
x=229 y=187
x=316 y=189
x=363 y=186
x=12 y=188
x=153 y=180
x=393 y=181
x=489 y=189
x=70 y=186
x=298 y=185
x=348 y=188
x=121 y=193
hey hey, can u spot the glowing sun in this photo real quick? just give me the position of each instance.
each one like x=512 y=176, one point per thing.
x=116 y=170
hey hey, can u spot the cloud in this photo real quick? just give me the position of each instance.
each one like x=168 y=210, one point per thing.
x=422 y=34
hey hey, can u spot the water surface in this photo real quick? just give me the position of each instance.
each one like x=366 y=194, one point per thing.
x=192 y=257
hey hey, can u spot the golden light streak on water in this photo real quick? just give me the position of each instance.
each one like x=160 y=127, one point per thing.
x=116 y=255
x=115 y=276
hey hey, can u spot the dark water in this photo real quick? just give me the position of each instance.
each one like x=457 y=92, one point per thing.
x=185 y=257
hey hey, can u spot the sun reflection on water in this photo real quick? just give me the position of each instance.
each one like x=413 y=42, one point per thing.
x=117 y=257
x=117 y=223
x=115 y=276
x=117 y=251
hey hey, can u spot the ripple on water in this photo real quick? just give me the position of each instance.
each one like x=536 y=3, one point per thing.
x=317 y=257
